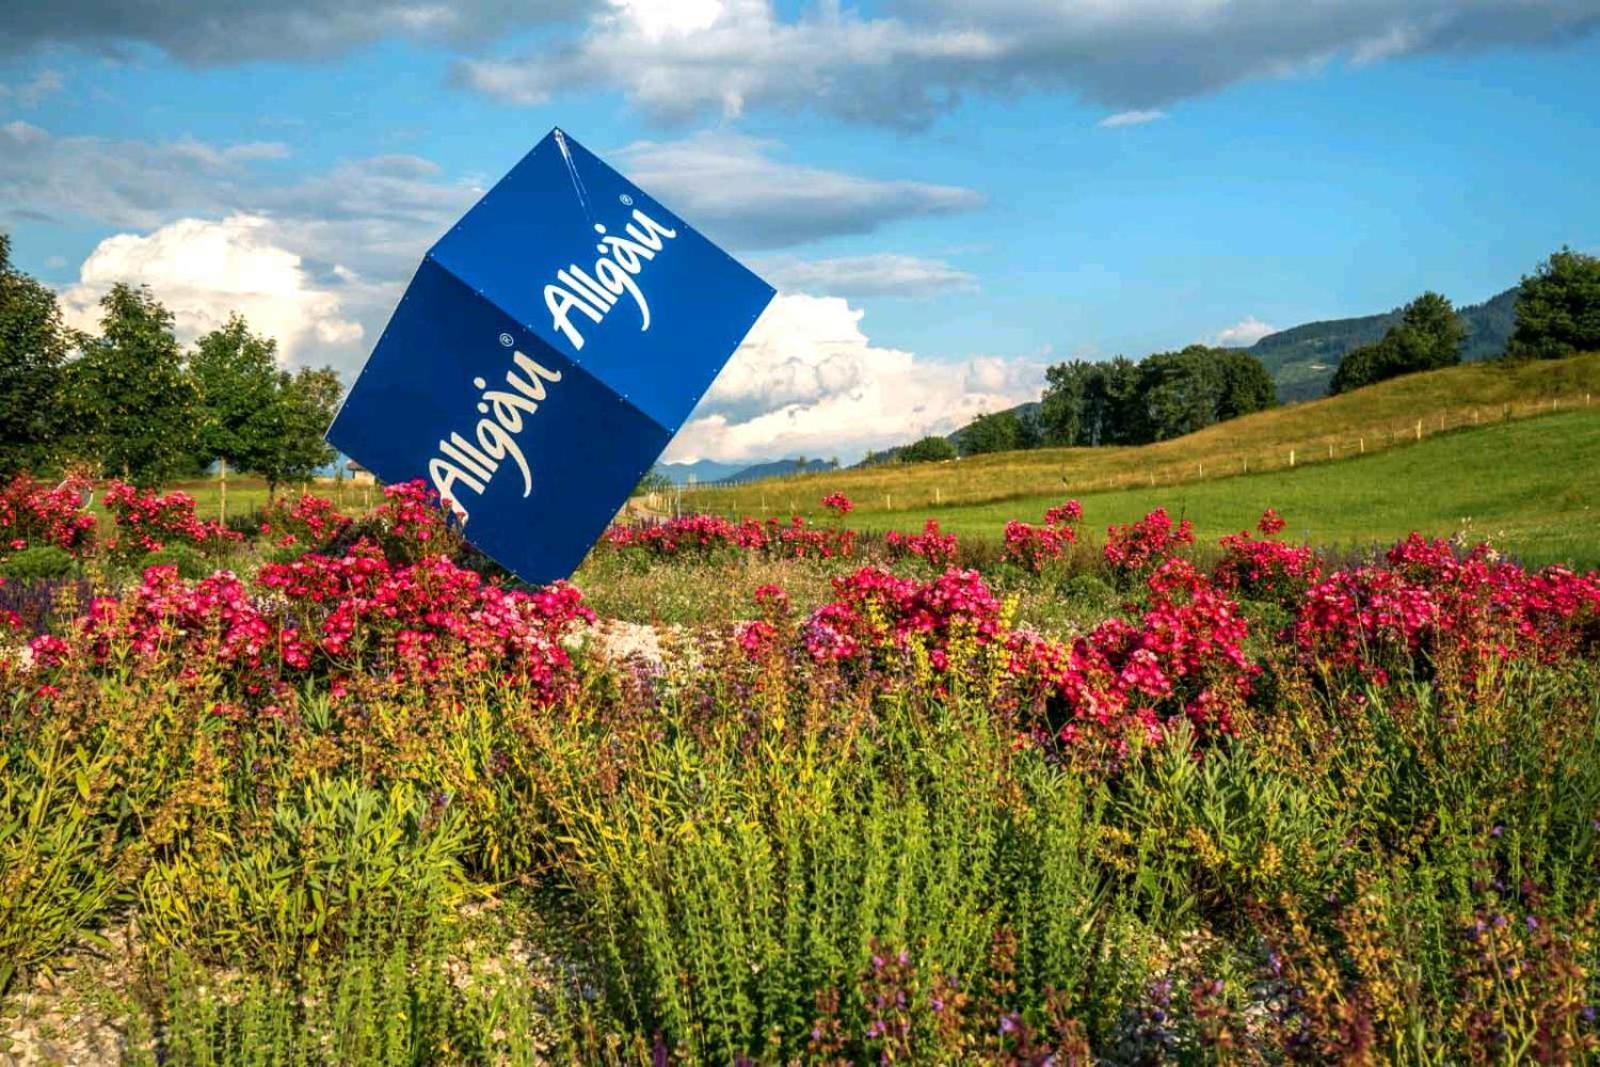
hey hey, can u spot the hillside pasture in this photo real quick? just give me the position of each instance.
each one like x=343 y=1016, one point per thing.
x=1387 y=416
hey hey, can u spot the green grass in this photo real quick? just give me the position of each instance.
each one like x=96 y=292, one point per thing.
x=1532 y=487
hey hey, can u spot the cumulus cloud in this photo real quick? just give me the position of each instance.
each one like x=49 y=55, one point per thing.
x=1244 y=333
x=1130 y=118
x=354 y=233
x=729 y=56
x=878 y=274
x=809 y=381
x=203 y=271
x=741 y=195
x=219 y=32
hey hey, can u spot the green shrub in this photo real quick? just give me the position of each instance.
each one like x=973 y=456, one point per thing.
x=330 y=863
x=371 y=1005
x=191 y=563
x=40 y=561
x=729 y=882
x=55 y=874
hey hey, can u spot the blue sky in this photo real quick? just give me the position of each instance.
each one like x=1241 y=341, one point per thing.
x=947 y=201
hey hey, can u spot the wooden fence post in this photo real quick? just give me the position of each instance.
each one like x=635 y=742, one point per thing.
x=222 y=489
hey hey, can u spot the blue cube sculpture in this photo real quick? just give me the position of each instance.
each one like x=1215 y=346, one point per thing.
x=547 y=350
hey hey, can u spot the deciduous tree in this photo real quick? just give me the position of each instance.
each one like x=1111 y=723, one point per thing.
x=135 y=406
x=33 y=352
x=1558 y=308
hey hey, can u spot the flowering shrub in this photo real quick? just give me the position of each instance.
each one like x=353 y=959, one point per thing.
x=1266 y=569
x=839 y=504
x=1184 y=657
x=33 y=515
x=333 y=617
x=1034 y=547
x=311 y=522
x=1428 y=609
x=939 y=550
x=411 y=523
x=1136 y=548
x=876 y=613
x=146 y=522
x=423 y=621
x=711 y=536
x=698 y=535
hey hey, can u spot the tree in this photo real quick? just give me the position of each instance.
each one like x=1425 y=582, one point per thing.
x=991 y=433
x=1188 y=390
x=1363 y=366
x=292 y=446
x=1558 y=308
x=654 y=481
x=33 y=352
x=1246 y=386
x=928 y=450
x=1030 y=434
x=1090 y=403
x=239 y=380
x=134 y=405
x=1429 y=335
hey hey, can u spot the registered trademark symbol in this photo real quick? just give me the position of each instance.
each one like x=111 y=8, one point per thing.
x=627 y=201
x=507 y=340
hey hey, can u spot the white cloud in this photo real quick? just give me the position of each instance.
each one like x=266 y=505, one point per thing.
x=734 y=189
x=689 y=57
x=878 y=274
x=203 y=271
x=1244 y=333
x=1130 y=118
x=32 y=91
x=808 y=381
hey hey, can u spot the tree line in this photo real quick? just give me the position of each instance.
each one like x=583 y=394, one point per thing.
x=129 y=401
x=1116 y=402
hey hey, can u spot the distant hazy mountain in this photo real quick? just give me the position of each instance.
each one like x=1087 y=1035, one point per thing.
x=707 y=470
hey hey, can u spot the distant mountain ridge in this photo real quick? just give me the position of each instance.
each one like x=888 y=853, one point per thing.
x=707 y=471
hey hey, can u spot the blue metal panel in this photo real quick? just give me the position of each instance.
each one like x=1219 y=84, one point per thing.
x=545 y=217
x=537 y=430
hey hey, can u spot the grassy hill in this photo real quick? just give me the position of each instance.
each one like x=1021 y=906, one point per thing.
x=1531 y=486
x=1363 y=423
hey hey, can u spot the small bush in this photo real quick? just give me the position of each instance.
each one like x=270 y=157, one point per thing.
x=332 y=864
x=191 y=564
x=54 y=878
x=41 y=561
